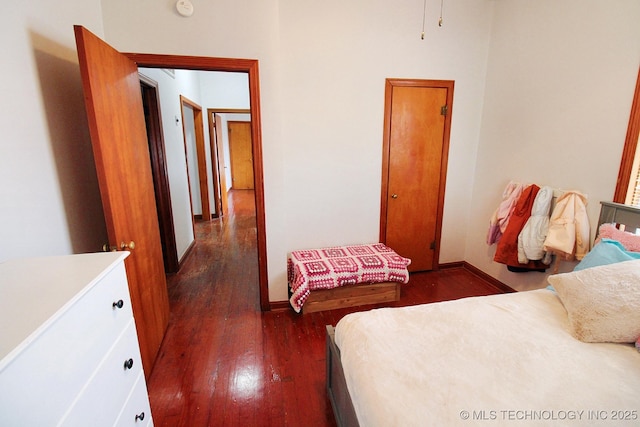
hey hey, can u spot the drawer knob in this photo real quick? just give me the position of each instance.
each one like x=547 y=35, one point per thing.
x=140 y=416
x=118 y=304
x=128 y=364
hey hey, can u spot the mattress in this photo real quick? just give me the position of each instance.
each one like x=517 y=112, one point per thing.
x=496 y=360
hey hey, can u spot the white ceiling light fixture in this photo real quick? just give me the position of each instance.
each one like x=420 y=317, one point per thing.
x=184 y=7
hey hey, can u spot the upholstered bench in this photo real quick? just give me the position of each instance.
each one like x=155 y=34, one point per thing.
x=345 y=276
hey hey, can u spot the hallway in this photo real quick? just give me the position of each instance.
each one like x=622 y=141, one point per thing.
x=225 y=363
x=222 y=361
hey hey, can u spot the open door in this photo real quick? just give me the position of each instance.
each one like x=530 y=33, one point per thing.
x=118 y=134
x=218 y=167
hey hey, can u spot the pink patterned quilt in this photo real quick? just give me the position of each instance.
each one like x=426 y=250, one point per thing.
x=328 y=268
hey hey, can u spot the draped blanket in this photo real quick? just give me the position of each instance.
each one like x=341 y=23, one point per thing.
x=328 y=268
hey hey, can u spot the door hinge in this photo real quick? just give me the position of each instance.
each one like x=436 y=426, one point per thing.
x=433 y=246
x=443 y=110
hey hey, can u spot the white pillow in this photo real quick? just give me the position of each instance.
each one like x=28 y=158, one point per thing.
x=603 y=302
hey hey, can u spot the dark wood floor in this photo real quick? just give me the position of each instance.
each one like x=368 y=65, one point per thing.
x=223 y=362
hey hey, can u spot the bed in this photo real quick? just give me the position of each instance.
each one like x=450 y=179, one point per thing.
x=558 y=356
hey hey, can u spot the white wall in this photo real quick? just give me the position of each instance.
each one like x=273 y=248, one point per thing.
x=336 y=56
x=322 y=71
x=559 y=83
x=238 y=29
x=220 y=89
x=559 y=88
x=49 y=199
x=192 y=158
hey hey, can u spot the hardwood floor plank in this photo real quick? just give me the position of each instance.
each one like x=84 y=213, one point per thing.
x=225 y=363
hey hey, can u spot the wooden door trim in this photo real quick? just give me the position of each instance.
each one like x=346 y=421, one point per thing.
x=215 y=165
x=229 y=110
x=219 y=178
x=249 y=66
x=224 y=196
x=201 y=155
x=630 y=145
x=161 y=176
x=386 y=146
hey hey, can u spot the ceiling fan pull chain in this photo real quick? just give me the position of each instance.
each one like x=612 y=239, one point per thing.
x=424 y=15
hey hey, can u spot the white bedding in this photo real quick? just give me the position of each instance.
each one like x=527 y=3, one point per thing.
x=497 y=360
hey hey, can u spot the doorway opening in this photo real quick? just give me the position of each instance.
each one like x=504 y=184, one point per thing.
x=250 y=67
x=220 y=153
x=155 y=137
x=193 y=135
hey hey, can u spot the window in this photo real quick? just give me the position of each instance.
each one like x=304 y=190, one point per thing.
x=628 y=186
x=633 y=190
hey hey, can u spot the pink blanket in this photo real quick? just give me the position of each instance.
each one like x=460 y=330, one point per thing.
x=328 y=268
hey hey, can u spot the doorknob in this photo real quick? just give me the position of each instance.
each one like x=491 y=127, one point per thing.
x=394 y=196
x=131 y=245
x=108 y=248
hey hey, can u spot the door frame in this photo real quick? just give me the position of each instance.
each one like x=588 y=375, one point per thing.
x=386 y=146
x=249 y=66
x=160 y=176
x=201 y=156
x=214 y=142
x=629 y=150
x=218 y=163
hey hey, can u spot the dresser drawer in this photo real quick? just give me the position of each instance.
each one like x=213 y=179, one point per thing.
x=136 y=412
x=107 y=391
x=42 y=381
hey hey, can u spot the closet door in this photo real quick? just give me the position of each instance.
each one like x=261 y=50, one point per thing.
x=416 y=143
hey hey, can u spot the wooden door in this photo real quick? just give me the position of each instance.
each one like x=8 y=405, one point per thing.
x=241 y=155
x=218 y=168
x=118 y=135
x=416 y=141
x=224 y=200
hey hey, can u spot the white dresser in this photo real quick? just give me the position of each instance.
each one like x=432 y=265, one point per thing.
x=69 y=352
